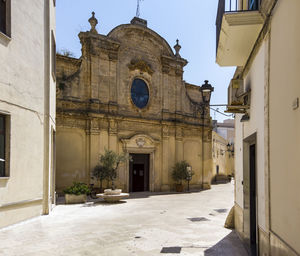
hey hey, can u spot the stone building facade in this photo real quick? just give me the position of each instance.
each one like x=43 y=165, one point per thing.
x=126 y=93
x=223 y=158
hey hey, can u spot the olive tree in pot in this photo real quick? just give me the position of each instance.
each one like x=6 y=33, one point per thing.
x=179 y=174
x=110 y=162
x=101 y=174
x=76 y=193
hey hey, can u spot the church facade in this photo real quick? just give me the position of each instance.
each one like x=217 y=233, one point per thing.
x=126 y=93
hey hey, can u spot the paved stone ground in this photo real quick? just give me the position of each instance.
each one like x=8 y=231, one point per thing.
x=148 y=224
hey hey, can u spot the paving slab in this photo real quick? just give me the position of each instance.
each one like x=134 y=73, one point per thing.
x=145 y=224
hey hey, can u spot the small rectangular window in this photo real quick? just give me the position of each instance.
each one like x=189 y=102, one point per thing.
x=2 y=145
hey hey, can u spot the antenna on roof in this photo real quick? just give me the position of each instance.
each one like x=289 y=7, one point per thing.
x=138 y=8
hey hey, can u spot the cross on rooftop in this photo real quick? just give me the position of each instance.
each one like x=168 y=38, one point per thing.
x=138 y=8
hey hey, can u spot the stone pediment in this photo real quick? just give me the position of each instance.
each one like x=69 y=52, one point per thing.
x=141 y=141
x=140 y=65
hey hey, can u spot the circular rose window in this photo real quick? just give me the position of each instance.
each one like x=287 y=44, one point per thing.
x=139 y=93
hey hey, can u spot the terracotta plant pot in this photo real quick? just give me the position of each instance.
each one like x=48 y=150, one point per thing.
x=75 y=199
x=179 y=187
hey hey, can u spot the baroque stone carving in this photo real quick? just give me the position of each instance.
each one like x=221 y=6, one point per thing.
x=140 y=142
x=140 y=65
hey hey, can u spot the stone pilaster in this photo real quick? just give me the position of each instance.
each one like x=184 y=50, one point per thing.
x=165 y=155
x=112 y=137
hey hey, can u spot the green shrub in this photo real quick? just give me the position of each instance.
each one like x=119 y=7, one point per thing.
x=179 y=172
x=108 y=166
x=78 y=188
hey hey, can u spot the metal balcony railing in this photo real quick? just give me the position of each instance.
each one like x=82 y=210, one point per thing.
x=233 y=6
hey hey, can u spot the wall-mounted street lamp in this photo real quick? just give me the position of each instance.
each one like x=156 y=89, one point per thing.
x=206 y=89
x=230 y=149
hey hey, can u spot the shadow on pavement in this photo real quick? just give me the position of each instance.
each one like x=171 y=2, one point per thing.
x=135 y=195
x=230 y=245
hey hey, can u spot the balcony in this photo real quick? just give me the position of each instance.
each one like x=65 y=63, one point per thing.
x=238 y=25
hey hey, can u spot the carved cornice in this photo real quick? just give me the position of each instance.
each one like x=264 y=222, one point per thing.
x=140 y=65
x=83 y=109
x=167 y=60
x=94 y=43
x=63 y=58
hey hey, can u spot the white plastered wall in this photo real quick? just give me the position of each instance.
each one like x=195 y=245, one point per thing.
x=285 y=123
x=254 y=80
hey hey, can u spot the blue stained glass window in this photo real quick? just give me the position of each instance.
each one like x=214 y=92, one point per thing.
x=139 y=93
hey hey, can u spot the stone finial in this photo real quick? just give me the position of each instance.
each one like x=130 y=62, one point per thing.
x=177 y=48
x=93 y=21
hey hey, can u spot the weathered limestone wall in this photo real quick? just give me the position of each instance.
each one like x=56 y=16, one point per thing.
x=95 y=110
x=221 y=157
x=78 y=151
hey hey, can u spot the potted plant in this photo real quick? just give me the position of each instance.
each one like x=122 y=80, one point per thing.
x=101 y=174
x=76 y=193
x=109 y=162
x=179 y=174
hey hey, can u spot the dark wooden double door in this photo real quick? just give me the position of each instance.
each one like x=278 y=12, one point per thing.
x=139 y=173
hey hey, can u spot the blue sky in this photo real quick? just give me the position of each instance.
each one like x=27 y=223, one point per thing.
x=191 y=21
